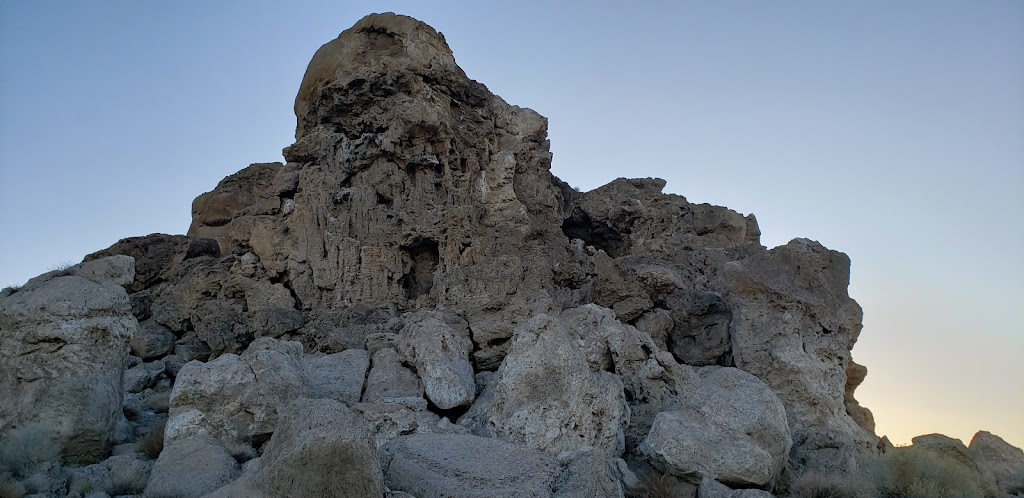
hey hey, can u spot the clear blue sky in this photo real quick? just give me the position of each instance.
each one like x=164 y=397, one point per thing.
x=893 y=131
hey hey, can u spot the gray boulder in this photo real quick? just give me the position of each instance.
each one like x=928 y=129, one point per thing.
x=732 y=429
x=438 y=465
x=338 y=376
x=710 y=488
x=152 y=340
x=441 y=358
x=530 y=405
x=191 y=468
x=793 y=324
x=237 y=397
x=320 y=449
x=143 y=376
x=63 y=346
x=389 y=379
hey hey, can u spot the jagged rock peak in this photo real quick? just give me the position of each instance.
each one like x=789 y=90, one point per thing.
x=378 y=52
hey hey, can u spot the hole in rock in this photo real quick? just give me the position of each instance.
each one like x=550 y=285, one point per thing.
x=424 y=257
x=453 y=414
x=579 y=225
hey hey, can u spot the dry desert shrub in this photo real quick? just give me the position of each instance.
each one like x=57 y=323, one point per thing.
x=815 y=485
x=11 y=489
x=25 y=448
x=915 y=473
x=153 y=442
x=131 y=412
x=128 y=480
x=159 y=402
x=655 y=485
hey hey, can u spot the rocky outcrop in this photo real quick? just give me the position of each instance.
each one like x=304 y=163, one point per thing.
x=409 y=185
x=63 y=347
x=1000 y=460
x=414 y=262
x=793 y=327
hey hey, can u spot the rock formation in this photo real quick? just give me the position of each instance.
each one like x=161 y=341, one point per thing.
x=412 y=304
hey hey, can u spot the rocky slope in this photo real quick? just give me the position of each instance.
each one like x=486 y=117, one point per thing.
x=413 y=289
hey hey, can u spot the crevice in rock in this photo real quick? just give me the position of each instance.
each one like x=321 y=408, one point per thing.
x=579 y=225
x=424 y=257
x=453 y=414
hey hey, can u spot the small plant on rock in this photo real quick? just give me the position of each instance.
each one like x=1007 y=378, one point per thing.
x=153 y=442
x=62 y=269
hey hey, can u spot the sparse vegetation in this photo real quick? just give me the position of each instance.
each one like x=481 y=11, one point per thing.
x=816 y=485
x=24 y=449
x=131 y=412
x=63 y=269
x=900 y=473
x=127 y=480
x=10 y=489
x=10 y=289
x=915 y=473
x=655 y=485
x=159 y=402
x=153 y=442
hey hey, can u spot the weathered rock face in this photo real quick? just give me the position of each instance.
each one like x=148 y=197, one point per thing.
x=63 y=347
x=409 y=185
x=793 y=327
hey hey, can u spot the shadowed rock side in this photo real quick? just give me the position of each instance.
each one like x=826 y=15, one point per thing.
x=412 y=303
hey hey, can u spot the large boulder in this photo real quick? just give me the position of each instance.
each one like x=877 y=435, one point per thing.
x=191 y=468
x=63 y=348
x=338 y=376
x=437 y=466
x=441 y=358
x=530 y=405
x=732 y=429
x=390 y=380
x=320 y=449
x=954 y=450
x=237 y=397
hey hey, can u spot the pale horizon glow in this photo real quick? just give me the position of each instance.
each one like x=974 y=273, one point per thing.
x=891 y=131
